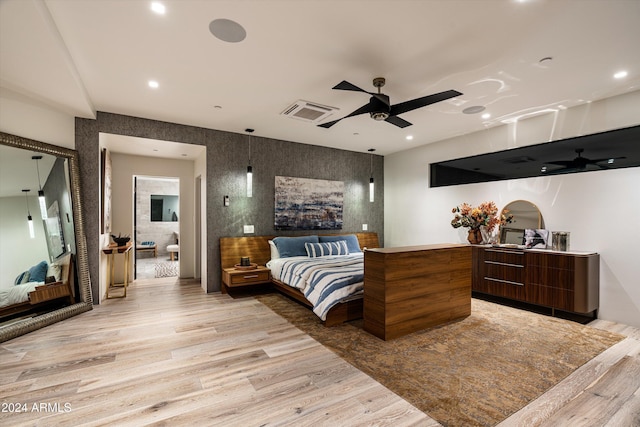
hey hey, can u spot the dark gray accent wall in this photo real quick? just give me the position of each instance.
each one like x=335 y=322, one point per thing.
x=227 y=161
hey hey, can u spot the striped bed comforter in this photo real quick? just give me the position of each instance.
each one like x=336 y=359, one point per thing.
x=324 y=281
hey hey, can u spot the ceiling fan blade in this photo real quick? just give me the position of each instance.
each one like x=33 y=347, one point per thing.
x=367 y=108
x=395 y=120
x=403 y=107
x=345 y=85
x=327 y=125
x=560 y=171
x=565 y=163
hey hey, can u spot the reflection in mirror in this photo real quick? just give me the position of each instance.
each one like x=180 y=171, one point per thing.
x=525 y=215
x=43 y=279
x=164 y=208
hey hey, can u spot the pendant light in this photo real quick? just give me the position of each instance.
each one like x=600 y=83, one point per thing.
x=249 y=168
x=371 y=184
x=32 y=234
x=41 y=200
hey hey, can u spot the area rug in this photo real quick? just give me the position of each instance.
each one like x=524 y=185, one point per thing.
x=166 y=269
x=473 y=372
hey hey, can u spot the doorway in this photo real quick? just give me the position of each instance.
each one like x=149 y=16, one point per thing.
x=156 y=226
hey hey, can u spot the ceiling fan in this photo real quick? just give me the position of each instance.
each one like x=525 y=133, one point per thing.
x=579 y=163
x=380 y=108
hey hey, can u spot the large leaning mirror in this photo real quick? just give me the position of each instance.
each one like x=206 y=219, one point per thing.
x=44 y=274
x=525 y=215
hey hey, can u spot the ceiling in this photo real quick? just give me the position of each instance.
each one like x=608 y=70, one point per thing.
x=86 y=56
x=19 y=171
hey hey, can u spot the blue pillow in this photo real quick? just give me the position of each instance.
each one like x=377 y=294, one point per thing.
x=352 y=241
x=326 y=249
x=293 y=246
x=38 y=272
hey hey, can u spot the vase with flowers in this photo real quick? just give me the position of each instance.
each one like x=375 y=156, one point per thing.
x=480 y=220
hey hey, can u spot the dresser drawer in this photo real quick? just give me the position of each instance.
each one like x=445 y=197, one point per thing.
x=248 y=278
x=503 y=256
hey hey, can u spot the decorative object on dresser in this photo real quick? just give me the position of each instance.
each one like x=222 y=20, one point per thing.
x=566 y=281
x=481 y=220
x=412 y=288
x=261 y=250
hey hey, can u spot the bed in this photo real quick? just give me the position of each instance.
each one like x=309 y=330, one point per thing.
x=30 y=295
x=328 y=283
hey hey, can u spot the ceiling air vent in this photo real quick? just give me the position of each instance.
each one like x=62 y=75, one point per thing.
x=308 y=111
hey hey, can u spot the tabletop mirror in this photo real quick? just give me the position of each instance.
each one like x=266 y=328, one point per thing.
x=44 y=275
x=525 y=215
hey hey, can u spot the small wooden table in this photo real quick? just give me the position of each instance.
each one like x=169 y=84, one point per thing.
x=234 y=277
x=111 y=250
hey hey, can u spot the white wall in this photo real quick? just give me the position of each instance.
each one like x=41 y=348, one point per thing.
x=598 y=208
x=24 y=117
x=18 y=252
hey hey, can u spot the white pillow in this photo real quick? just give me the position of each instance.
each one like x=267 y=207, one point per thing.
x=54 y=270
x=274 y=250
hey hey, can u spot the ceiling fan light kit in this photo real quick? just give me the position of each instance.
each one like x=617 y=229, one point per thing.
x=380 y=108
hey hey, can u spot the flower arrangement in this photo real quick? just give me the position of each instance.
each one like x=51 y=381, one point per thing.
x=484 y=215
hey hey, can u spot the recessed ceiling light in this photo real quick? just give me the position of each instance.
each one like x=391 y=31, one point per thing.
x=227 y=30
x=409 y=137
x=158 y=8
x=475 y=109
x=486 y=116
x=620 y=74
x=153 y=84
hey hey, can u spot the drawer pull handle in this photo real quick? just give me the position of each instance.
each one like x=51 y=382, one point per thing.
x=504 y=281
x=253 y=276
x=504 y=263
x=504 y=252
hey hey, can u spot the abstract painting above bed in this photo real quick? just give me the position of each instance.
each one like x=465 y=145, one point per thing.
x=308 y=204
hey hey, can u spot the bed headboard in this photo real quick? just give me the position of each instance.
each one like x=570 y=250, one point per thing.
x=257 y=247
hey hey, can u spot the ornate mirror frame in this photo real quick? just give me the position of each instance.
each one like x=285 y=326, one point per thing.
x=82 y=266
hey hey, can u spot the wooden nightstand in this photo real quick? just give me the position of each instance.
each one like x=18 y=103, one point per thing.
x=233 y=278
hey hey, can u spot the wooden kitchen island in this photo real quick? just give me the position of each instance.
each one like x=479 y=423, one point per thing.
x=407 y=289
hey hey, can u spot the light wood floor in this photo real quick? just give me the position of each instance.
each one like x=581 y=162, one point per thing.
x=170 y=354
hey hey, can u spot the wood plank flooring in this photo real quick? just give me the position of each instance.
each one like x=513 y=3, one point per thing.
x=169 y=354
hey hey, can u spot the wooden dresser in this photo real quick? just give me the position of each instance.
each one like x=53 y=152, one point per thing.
x=566 y=281
x=408 y=289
